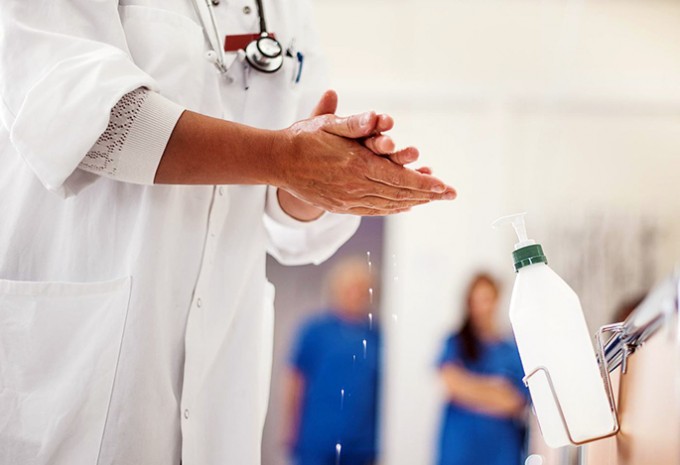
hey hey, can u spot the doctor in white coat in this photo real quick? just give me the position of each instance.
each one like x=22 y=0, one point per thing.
x=144 y=174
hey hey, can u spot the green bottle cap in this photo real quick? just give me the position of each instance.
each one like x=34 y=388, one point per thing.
x=528 y=255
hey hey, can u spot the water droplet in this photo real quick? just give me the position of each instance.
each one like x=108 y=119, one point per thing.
x=342 y=398
x=370 y=321
x=364 y=342
x=534 y=460
x=370 y=295
x=338 y=451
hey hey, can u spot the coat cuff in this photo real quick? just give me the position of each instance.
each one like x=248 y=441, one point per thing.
x=293 y=242
x=134 y=155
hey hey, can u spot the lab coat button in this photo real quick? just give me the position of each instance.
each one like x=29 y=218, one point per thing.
x=199 y=302
x=221 y=190
x=246 y=10
x=186 y=414
x=215 y=2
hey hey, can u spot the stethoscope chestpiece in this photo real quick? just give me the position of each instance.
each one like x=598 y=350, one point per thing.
x=265 y=54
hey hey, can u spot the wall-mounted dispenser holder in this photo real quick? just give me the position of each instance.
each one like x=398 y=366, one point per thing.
x=662 y=305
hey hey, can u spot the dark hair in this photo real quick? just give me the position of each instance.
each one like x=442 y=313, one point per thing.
x=467 y=336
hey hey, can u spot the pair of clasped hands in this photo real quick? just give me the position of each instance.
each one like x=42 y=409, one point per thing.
x=374 y=181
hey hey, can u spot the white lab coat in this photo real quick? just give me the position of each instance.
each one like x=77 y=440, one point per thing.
x=136 y=321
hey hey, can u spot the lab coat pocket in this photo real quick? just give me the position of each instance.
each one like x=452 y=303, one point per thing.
x=59 y=348
x=170 y=47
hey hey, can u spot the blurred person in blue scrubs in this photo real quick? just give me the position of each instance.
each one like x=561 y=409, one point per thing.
x=482 y=375
x=332 y=383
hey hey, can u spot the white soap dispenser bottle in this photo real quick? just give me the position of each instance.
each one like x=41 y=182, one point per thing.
x=555 y=345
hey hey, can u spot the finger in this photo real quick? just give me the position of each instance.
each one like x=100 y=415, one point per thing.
x=352 y=127
x=381 y=203
x=404 y=156
x=403 y=195
x=327 y=105
x=385 y=172
x=380 y=145
x=363 y=211
x=384 y=124
x=424 y=170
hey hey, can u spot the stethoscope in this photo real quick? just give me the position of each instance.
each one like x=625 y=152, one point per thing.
x=264 y=54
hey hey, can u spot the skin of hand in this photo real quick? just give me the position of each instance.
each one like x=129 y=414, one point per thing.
x=321 y=160
x=378 y=143
x=358 y=182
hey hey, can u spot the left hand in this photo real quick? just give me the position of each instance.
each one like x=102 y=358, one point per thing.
x=378 y=143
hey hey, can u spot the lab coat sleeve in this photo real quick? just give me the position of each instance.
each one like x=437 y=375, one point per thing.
x=293 y=242
x=63 y=66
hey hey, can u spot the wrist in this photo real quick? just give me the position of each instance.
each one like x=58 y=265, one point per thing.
x=296 y=208
x=279 y=154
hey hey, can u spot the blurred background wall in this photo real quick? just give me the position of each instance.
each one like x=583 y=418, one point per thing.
x=569 y=110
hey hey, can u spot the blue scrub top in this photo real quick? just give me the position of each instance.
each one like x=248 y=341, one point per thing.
x=469 y=437
x=331 y=357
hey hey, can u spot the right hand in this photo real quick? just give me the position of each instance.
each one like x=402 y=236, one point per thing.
x=323 y=162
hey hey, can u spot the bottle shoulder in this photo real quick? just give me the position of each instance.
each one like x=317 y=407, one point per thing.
x=541 y=274
x=540 y=284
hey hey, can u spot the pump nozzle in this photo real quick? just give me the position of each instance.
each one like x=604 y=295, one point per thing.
x=517 y=221
x=527 y=252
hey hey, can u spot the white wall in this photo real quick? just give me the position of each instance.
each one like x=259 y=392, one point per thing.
x=567 y=109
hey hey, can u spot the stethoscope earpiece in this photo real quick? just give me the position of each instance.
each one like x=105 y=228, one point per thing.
x=211 y=56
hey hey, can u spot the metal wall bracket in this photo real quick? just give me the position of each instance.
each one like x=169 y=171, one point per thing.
x=660 y=307
x=604 y=372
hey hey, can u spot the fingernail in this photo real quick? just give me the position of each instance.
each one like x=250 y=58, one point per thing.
x=450 y=195
x=439 y=189
x=365 y=120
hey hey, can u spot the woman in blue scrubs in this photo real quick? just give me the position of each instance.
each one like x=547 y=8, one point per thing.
x=486 y=399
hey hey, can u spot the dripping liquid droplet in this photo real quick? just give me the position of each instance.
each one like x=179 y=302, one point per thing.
x=338 y=451
x=364 y=343
x=370 y=321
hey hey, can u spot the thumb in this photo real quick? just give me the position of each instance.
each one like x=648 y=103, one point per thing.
x=352 y=127
x=327 y=105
